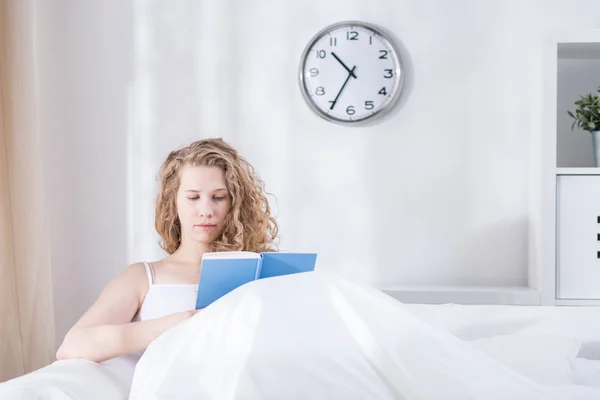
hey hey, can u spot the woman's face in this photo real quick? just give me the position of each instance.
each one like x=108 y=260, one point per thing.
x=203 y=203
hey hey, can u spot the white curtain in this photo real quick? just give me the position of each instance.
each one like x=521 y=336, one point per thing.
x=26 y=304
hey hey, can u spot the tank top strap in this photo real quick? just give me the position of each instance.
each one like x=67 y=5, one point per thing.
x=150 y=273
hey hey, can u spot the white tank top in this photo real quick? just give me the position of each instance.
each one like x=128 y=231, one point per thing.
x=160 y=300
x=165 y=299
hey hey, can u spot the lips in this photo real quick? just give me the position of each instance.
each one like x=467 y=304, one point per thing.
x=206 y=226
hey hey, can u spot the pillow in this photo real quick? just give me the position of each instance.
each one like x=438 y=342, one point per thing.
x=590 y=349
x=546 y=359
x=586 y=372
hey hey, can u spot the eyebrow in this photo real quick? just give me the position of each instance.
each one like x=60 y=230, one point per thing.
x=198 y=191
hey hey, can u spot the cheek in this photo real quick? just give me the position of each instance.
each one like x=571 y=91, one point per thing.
x=223 y=208
x=184 y=209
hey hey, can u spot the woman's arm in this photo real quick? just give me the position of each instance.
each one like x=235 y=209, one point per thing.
x=105 y=331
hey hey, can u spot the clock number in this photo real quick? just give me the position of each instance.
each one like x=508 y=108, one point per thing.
x=352 y=35
x=321 y=54
x=333 y=41
x=370 y=39
x=314 y=72
x=382 y=91
x=369 y=105
x=350 y=110
x=389 y=74
x=320 y=91
x=383 y=56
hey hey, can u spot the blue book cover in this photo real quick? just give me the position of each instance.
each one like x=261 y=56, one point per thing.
x=222 y=272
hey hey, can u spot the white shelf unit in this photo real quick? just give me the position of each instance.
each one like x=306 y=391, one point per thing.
x=571 y=62
x=569 y=228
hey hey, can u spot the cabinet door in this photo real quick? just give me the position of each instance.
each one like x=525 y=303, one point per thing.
x=578 y=237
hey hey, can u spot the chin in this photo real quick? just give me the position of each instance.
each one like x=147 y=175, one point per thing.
x=204 y=239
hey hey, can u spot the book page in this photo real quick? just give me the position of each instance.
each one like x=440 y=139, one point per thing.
x=229 y=255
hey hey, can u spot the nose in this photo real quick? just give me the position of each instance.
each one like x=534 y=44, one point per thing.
x=205 y=208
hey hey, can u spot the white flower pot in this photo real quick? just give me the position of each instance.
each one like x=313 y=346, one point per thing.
x=596 y=144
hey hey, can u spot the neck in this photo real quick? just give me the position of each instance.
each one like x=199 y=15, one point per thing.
x=191 y=251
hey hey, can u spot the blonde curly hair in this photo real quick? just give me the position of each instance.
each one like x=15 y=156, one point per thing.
x=248 y=226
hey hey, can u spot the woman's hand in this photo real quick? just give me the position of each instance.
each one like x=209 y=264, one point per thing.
x=105 y=341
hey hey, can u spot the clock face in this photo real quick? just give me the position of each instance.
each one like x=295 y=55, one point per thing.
x=350 y=72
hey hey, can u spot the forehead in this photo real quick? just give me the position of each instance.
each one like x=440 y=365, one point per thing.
x=202 y=178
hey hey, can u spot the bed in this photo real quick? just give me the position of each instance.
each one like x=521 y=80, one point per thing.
x=332 y=338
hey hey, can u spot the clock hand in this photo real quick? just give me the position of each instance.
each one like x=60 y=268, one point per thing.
x=350 y=73
x=344 y=65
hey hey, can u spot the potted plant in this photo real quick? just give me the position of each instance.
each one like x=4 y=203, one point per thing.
x=587 y=117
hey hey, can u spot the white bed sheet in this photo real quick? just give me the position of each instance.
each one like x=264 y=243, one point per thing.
x=71 y=380
x=586 y=372
x=523 y=337
x=469 y=322
x=472 y=322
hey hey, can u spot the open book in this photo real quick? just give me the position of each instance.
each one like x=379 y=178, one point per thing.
x=222 y=272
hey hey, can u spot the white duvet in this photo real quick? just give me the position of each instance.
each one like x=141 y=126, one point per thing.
x=315 y=336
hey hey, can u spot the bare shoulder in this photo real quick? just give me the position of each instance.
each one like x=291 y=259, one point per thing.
x=132 y=280
x=133 y=275
x=136 y=270
x=120 y=299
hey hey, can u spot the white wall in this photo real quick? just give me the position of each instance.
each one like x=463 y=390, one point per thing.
x=440 y=192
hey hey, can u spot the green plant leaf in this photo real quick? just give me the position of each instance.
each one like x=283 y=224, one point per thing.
x=587 y=112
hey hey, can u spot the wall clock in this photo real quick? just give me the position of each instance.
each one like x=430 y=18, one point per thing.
x=351 y=72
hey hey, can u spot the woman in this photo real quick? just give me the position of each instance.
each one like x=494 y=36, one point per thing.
x=210 y=199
